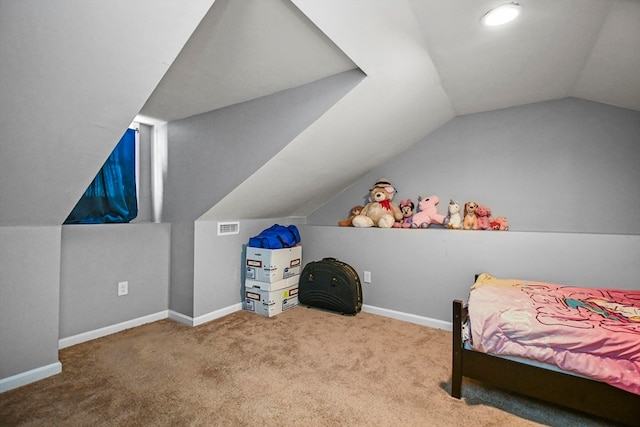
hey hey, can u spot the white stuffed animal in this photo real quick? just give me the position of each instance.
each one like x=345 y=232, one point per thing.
x=454 y=218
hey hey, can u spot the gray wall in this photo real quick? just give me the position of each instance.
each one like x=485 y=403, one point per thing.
x=220 y=263
x=58 y=281
x=564 y=172
x=95 y=258
x=419 y=272
x=569 y=166
x=210 y=154
x=29 y=298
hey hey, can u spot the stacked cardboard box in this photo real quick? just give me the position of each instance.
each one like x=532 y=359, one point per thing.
x=271 y=279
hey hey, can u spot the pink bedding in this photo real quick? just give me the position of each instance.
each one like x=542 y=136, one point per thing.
x=592 y=332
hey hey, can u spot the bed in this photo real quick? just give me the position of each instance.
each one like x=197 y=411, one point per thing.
x=515 y=343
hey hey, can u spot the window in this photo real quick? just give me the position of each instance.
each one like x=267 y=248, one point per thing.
x=111 y=197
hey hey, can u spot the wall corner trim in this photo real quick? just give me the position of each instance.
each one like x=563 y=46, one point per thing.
x=191 y=321
x=29 y=377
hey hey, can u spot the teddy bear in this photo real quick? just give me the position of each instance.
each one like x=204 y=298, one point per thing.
x=381 y=211
x=484 y=217
x=352 y=213
x=427 y=213
x=454 y=218
x=470 y=217
x=406 y=207
x=500 y=224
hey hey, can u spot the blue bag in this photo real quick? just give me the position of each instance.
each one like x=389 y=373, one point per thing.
x=276 y=237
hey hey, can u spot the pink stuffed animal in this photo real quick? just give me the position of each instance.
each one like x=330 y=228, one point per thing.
x=427 y=213
x=502 y=223
x=484 y=217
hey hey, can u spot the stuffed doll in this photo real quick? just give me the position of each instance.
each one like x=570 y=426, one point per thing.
x=406 y=207
x=501 y=223
x=427 y=212
x=381 y=211
x=352 y=213
x=454 y=218
x=470 y=217
x=484 y=217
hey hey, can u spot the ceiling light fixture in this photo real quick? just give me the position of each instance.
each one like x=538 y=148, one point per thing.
x=501 y=14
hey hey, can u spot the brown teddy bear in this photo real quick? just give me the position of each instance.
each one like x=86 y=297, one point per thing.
x=380 y=211
x=352 y=214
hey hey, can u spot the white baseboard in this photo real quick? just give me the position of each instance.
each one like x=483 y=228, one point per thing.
x=112 y=329
x=407 y=317
x=29 y=377
x=190 y=321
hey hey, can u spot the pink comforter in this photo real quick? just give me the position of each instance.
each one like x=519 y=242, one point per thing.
x=592 y=332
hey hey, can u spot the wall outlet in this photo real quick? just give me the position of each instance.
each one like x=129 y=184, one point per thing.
x=123 y=288
x=367 y=277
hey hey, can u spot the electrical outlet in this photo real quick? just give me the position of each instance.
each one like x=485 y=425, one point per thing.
x=367 y=277
x=123 y=288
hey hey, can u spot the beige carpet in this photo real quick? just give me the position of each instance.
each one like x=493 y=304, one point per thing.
x=304 y=367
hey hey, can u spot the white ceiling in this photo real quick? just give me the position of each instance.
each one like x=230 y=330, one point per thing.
x=557 y=48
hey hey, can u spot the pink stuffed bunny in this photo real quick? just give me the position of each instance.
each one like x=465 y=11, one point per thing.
x=427 y=212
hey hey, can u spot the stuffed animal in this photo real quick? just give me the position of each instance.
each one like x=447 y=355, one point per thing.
x=427 y=213
x=352 y=213
x=484 y=217
x=381 y=211
x=406 y=207
x=470 y=218
x=454 y=218
x=500 y=223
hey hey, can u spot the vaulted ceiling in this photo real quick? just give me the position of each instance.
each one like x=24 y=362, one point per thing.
x=74 y=74
x=556 y=48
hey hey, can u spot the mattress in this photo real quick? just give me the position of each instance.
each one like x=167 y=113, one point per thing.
x=593 y=332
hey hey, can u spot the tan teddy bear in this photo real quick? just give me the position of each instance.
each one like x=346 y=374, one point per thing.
x=380 y=211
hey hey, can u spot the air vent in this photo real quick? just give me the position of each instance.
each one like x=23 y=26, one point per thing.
x=227 y=228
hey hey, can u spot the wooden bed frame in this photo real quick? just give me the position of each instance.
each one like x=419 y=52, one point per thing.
x=582 y=394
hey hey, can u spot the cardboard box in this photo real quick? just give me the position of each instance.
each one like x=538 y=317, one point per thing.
x=272 y=265
x=268 y=303
x=271 y=286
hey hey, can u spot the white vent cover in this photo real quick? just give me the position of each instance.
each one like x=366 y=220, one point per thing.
x=226 y=228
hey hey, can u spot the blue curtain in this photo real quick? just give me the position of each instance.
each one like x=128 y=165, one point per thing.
x=111 y=197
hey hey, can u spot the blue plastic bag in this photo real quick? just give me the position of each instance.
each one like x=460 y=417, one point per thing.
x=276 y=237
